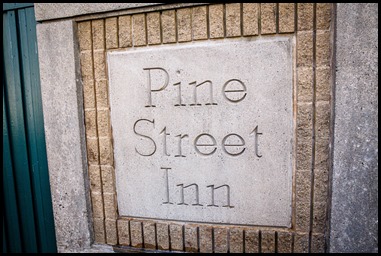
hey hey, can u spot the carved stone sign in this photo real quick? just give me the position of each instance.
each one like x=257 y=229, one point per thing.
x=203 y=132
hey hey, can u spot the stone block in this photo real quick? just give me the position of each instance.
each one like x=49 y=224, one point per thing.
x=139 y=30
x=286 y=18
x=95 y=178
x=184 y=25
x=136 y=234
x=252 y=241
x=220 y=240
x=191 y=238
x=216 y=21
x=99 y=65
x=111 y=33
x=301 y=243
x=111 y=232
x=176 y=236
x=124 y=30
x=267 y=241
x=90 y=123
x=305 y=16
x=199 y=23
x=149 y=231
x=284 y=242
x=168 y=21
x=162 y=231
x=123 y=232
x=206 y=239
x=108 y=179
x=153 y=28
x=86 y=60
x=250 y=18
x=84 y=35
x=304 y=49
x=323 y=16
x=268 y=18
x=98 y=33
x=233 y=19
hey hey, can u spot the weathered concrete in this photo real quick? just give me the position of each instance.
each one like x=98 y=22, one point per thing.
x=64 y=129
x=354 y=216
x=248 y=94
x=47 y=11
x=51 y=11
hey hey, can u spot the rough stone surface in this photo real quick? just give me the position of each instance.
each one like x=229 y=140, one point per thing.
x=268 y=18
x=62 y=102
x=136 y=234
x=47 y=11
x=111 y=33
x=139 y=30
x=236 y=240
x=251 y=241
x=153 y=28
x=216 y=21
x=284 y=242
x=176 y=236
x=162 y=231
x=250 y=18
x=286 y=18
x=233 y=19
x=354 y=221
x=301 y=243
x=206 y=239
x=190 y=238
x=111 y=232
x=149 y=235
x=268 y=242
x=267 y=179
x=184 y=25
x=305 y=16
x=124 y=30
x=168 y=26
x=123 y=232
x=220 y=240
x=199 y=23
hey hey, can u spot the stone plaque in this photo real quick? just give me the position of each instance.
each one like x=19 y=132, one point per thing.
x=203 y=132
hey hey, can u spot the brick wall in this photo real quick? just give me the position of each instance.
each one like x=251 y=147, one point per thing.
x=310 y=25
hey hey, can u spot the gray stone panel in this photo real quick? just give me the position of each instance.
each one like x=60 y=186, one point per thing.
x=354 y=215
x=64 y=129
x=242 y=84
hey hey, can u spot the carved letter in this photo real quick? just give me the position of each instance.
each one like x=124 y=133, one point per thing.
x=165 y=140
x=167 y=184
x=145 y=136
x=228 y=195
x=180 y=101
x=181 y=137
x=256 y=140
x=225 y=91
x=205 y=145
x=182 y=194
x=224 y=145
x=195 y=93
x=150 y=85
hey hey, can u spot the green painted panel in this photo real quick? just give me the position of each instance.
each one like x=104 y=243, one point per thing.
x=17 y=132
x=35 y=130
x=28 y=224
x=11 y=213
x=13 y=6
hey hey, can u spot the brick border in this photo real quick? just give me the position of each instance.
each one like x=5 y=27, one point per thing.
x=311 y=26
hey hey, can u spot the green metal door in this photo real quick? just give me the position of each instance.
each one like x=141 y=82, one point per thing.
x=28 y=224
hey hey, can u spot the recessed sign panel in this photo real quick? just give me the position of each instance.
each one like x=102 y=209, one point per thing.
x=203 y=132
